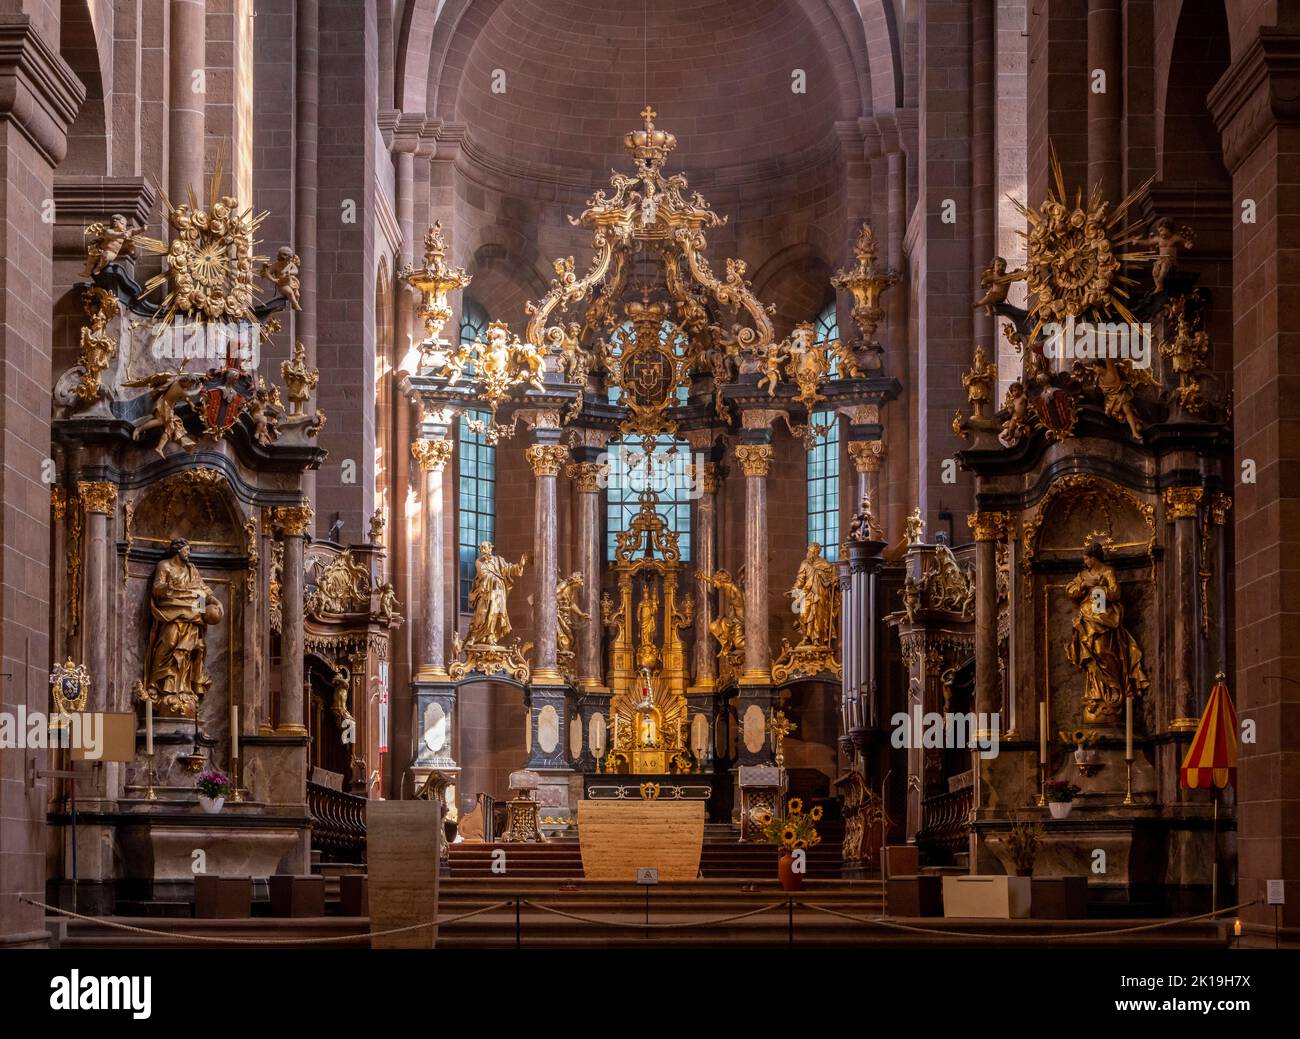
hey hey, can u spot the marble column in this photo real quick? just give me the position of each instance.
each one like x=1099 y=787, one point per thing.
x=295 y=521
x=1183 y=505
x=546 y=459
x=432 y=455
x=706 y=549
x=755 y=460
x=989 y=528
x=187 y=58
x=588 y=478
x=100 y=502
x=1105 y=101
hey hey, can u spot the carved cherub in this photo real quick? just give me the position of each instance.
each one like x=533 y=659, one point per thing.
x=282 y=272
x=527 y=360
x=110 y=241
x=771 y=377
x=1167 y=238
x=996 y=282
x=914 y=531
x=387 y=609
x=342 y=684
x=264 y=411
x=1116 y=388
x=1014 y=415
x=168 y=390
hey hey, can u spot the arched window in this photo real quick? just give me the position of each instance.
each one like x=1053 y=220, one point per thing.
x=668 y=476
x=477 y=499
x=827 y=324
x=473 y=321
x=824 y=486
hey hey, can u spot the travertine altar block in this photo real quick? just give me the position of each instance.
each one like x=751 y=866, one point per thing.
x=990 y=897
x=402 y=864
x=619 y=837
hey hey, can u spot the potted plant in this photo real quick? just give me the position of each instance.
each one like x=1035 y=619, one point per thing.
x=1022 y=842
x=213 y=786
x=796 y=832
x=1060 y=795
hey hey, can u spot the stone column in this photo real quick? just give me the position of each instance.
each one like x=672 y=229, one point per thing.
x=588 y=477
x=1105 y=106
x=706 y=515
x=295 y=521
x=1183 y=505
x=546 y=459
x=100 y=501
x=754 y=704
x=989 y=528
x=187 y=55
x=432 y=455
x=755 y=460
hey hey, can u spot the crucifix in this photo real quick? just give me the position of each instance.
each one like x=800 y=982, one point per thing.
x=780 y=727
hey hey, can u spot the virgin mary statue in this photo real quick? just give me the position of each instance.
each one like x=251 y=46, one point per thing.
x=182 y=607
x=1100 y=645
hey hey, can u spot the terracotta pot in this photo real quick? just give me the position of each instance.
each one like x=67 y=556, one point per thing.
x=1059 y=809
x=790 y=880
x=212 y=805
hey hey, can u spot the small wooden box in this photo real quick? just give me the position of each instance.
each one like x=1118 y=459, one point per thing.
x=297 y=895
x=222 y=898
x=919 y=895
x=1059 y=898
x=986 y=897
x=354 y=898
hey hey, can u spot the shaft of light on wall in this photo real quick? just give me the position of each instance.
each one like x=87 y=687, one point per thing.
x=412 y=504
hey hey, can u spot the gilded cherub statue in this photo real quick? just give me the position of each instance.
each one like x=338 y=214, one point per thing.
x=1014 y=415
x=264 y=410
x=108 y=243
x=914 y=530
x=299 y=379
x=1166 y=238
x=342 y=694
x=996 y=282
x=388 y=605
x=282 y=272
x=169 y=390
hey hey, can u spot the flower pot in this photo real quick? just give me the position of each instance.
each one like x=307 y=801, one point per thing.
x=1059 y=809
x=790 y=880
x=212 y=805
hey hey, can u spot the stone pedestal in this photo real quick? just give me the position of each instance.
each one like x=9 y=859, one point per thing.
x=548 y=719
x=435 y=704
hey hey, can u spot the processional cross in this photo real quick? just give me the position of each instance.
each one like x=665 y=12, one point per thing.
x=781 y=727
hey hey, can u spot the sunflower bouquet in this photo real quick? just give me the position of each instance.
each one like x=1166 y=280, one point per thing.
x=796 y=830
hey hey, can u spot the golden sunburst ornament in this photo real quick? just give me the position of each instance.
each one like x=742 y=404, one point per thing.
x=1075 y=254
x=210 y=261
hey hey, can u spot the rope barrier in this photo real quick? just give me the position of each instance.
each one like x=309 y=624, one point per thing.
x=106 y=922
x=643 y=926
x=889 y=924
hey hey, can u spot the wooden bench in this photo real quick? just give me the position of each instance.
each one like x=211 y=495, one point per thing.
x=222 y=898
x=297 y=895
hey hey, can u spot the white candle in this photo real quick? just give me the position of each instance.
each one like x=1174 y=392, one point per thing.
x=148 y=727
x=234 y=730
x=1042 y=732
x=1128 y=728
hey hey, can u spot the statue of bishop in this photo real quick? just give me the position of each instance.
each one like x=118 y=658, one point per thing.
x=493 y=579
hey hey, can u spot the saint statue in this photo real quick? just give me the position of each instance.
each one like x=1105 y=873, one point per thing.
x=815 y=597
x=1100 y=645
x=647 y=654
x=182 y=606
x=568 y=611
x=493 y=579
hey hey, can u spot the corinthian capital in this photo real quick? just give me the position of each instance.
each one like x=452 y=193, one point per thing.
x=988 y=526
x=546 y=459
x=866 y=455
x=294 y=520
x=588 y=476
x=98 y=497
x=431 y=455
x=754 y=459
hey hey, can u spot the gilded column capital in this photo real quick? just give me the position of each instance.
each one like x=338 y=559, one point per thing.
x=866 y=455
x=1183 y=501
x=546 y=459
x=754 y=459
x=58 y=501
x=294 y=519
x=431 y=455
x=712 y=477
x=588 y=476
x=988 y=526
x=98 y=497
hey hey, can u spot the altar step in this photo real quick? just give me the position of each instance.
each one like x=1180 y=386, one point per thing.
x=562 y=858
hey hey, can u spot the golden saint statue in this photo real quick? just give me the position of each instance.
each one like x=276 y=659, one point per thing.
x=182 y=606
x=568 y=611
x=493 y=579
x=815 y=598
x=1100 y=645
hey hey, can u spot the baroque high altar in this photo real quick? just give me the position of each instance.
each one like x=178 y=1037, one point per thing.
x=648 y=346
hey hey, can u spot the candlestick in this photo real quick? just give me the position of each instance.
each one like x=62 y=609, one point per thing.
x=235 y=795
x=1042 y=732
x=149 y=793
x=1128 y=728
x=234 y=730
x=148 y=727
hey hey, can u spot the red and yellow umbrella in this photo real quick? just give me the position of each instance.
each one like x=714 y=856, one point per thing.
x=1212 y=757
